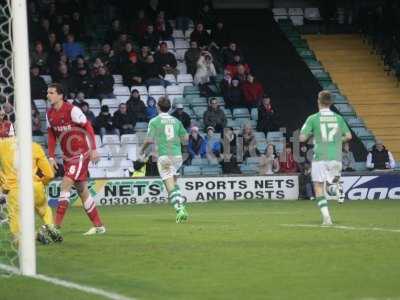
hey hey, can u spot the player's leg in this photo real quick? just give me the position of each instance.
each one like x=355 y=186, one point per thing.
x=90 y=208
x=63 y=201
x=318 y=173
x=47 y=231
x=13 y=213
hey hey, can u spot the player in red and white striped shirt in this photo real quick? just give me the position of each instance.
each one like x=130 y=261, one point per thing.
x=67 y=124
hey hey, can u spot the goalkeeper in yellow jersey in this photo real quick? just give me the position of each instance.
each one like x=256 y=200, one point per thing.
x=43 y=174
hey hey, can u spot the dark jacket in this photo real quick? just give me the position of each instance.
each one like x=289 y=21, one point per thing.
x=215 y=118
x=233 y=97
x=150 y=40
x=164 y=59
x=380 y=159
x=137 y=109
x=267 y=119
x=202 y=38
x=103 y=84
x=183 y=117
x=220 y=37
x=131 y=70
x=85 y=84
x=152 y=70
x=38 y=87
x=124 y=122
x=192 y=55
x=104 y=120
x=197 y=146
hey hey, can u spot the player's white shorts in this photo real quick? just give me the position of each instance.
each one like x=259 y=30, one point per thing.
x=168 y=166
x=325 y=171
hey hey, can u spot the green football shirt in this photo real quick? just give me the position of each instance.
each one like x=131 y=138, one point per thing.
x=328 y=129
x=166 y=132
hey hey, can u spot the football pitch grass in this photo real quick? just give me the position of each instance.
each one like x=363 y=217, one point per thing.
x=228 y=250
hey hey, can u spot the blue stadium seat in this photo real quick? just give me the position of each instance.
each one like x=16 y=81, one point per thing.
x=199 y=162
x=241 y=113
x=249 y=169
x=360 y=166
x=354 y=121
x=191 y=170
x=363 y=132
x=254 y=114
x=211 y=170
x=141 y=126
x=345 y=109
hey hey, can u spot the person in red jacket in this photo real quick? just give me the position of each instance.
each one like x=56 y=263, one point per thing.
x=287 y=162
x=252 y=91
x=237 y=63
x=6 y=127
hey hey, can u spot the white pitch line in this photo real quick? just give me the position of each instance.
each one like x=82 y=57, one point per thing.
x=343 y=227
x=70 y=285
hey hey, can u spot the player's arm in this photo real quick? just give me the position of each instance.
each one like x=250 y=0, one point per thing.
x=43 y=164
x=306 y=130
x=149 y=140
x=183 y=135
x=346 y=133
x=78 y=117
x=51 y=145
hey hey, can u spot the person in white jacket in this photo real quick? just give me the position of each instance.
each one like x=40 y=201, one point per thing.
x=205 y=69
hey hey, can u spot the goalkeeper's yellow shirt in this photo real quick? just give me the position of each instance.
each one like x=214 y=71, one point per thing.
x=42 y=170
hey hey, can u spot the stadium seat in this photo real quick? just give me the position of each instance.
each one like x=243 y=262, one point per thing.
x=360 y=166
x=261 y=147
x=93 y=103
x=254 y=114
x=170 y=78
x=125 y=164
x=98 y=141
x=131 y=150
x=274 y=135
x=253 y=160
x=141 y=89
x=115 y=173
x=178 y=34
x=129 y=139
x=260 y=136
x=363 y=132
x=191 y=90
x=121 y=90
x=156 y=90
x=312 y=14
x=354 y=121
x=181 y=67
x=297 y=16
x=41 y=104
x=280 y=13
x=118 y=78
x=199 y=162
x=185 y=78
x=199 y=111
x=141 y=126
x=191 y=170
x=321 y=74
x=97 y=173
x=211 y=170
x=174 y=90
x=181 y=44
x=122 y=98
x=228 y=113
x=110 y=102
x=345 y=109
x=339 y=98
x=40 y=139
x=95 y=111
x=106 y=163
x=103 y=151
x=47 y=79
x=110 y=139
x=198 y=101
x=368 y=143
x=180 y=54
x=249 y=169
x=241 y=113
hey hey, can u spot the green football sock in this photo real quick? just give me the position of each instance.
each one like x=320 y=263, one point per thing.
x=175 y=197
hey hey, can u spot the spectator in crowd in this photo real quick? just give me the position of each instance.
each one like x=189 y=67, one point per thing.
x=71 y=48
x=379 y=158
x=132 y=71
x=348 y=161
x=88 y=113
x=38 y=85
x=151 y=109
x=36 y=124
x=230 y=53
x=103 y=84
x=115 y=31
x=184 y=10
x=124 y=123
x=242 y=72
x=151 y=38
x=269 y=161
x=64 y=32
x=67 y=81
x=104 y=122
x=43 y=32
x=79 y=99
x=249 y=142
x=153 y=74
x=201 y=36
x=84 y=83
x=233 y=68
x=76 y=24
x=214 y=116
x=51 y=40
x=163 y=28
x=107 y=56
x=205 y=69
x=136 y=107
x=305 y=182
x=233 y=94
x=77 y=64
x=140 y=25
x=220 y=37
x=124 y=56
x=181 y=115
x=39 y=57
x=252 y=91
x=267 y=118
x=54 y=59
x=287 y=161
x=6 y=127
x=97 y=64
x=213 y=144
x=119 y=44
x=197 y=144
x=206 y=16
x=144 y=53
x=166 y=59
x=9 y=111
x=192 y=55
x=230 y=151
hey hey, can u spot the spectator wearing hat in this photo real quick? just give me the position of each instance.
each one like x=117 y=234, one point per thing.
x=103 y=84
x=38 y=85
x=87 y=112
x=136 y=107
x=181 y=115
x=123 y=122
x=252 y=91
x=166 y=59
x=71 y=48
x=197 y=144
x=104 y=122
x=379 y=158
x=205 y=69
x=192 y=55
x=348 y=161
x=132 y=71
x=267 y=118
x=151 y=109
x=214 y=116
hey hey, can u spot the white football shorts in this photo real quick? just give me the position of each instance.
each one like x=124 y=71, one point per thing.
x=168 y=166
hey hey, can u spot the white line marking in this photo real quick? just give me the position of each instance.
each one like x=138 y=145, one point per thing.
x=70 y=285
x=343 y=227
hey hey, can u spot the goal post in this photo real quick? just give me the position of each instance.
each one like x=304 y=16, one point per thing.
x=22 y=97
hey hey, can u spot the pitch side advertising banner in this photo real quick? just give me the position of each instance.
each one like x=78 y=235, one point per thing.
x=377 y=187
x=132 y=191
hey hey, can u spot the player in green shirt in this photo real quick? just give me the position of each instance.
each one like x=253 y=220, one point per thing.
x=168 y=134
x=329 y=131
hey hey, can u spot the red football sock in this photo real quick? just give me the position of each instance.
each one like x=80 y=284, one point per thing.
x=62 y=207
x=92 y=212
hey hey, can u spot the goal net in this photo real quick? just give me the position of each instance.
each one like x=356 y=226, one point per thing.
x=17 y=251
